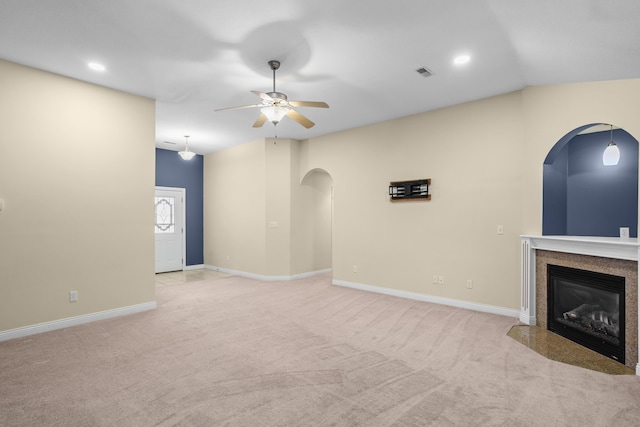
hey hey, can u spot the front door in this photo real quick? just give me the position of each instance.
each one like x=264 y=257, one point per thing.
x=169 y=229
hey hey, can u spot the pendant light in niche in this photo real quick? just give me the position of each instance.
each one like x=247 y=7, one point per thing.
x=611 y=155
x=186 y=154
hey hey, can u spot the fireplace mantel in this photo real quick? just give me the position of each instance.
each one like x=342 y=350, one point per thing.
x=606 y=247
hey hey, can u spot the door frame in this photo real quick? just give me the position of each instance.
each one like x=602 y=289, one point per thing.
x=183 y=195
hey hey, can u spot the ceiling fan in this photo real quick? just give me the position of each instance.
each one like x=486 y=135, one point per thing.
x=275 y=105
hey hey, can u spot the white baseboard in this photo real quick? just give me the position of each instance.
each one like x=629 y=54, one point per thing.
x=264 y=278
x=74 y=321
x=430 y=298
x=194 y=267
x=311 y=274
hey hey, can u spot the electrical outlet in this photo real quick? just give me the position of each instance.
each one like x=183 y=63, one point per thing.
x=227 y=257
x=73 y=296
x=469 y=284
x=434 y=279
x=500 y=229
x=355 y=268
x=441 y=280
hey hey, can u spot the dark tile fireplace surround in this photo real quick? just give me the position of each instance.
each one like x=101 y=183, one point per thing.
x=539 y=253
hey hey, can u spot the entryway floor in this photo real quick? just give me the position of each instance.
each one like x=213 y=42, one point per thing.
x=560 y=349
x=178 y=277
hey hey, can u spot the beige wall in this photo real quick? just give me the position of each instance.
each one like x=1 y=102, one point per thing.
x=485 y=161
x=259 y=215
x=235 y=208
x=77 y=176
x=468 y=153
x=278 y=204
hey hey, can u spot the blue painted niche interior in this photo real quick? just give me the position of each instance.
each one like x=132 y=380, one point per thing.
x=173 y=171
x=581 y=196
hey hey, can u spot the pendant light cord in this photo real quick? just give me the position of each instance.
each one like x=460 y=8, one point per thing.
x=611 y=134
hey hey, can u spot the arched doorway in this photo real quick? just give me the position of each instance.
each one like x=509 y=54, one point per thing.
x=315 y=248
x=582 y=196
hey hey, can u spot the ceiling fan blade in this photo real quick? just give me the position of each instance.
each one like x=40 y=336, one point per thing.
x=260 y=121
x=294 y=115
x=317 y=104
x=240 y=107
x=262 y=95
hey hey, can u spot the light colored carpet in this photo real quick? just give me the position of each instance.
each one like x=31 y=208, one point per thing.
x=238 y=352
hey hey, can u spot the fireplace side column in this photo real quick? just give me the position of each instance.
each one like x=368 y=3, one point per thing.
x=638 y=285
x=528 y=282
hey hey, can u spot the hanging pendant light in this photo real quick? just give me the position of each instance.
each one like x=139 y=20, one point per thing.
x=186 y=154
x=611 y=155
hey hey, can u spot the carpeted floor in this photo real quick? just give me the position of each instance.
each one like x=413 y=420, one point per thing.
x=238 y=352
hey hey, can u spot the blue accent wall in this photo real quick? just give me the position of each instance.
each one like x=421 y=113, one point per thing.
x=601 y=199
x=554 y=188
x=172 y=171
x=598 y=199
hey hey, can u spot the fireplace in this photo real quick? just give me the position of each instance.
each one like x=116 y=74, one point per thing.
x=607 y=255
x=587 y=307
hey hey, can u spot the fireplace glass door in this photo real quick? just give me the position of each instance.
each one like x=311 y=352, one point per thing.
x=588 y=308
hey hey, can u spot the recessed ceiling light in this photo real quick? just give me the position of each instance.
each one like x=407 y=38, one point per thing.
x=462 y=59
x=96 y=66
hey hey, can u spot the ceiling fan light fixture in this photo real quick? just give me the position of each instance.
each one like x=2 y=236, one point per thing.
x=275 y=105
x=186 y=154
x=274 y=113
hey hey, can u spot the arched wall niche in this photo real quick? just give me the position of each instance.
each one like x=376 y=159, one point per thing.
x=581 y=196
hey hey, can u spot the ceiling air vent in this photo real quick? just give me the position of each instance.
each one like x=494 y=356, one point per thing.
x=424 y=72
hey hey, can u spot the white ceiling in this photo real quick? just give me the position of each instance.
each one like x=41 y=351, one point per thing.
x=359 y=56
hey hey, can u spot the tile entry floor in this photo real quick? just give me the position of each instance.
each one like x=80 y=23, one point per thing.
x=178 y=277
